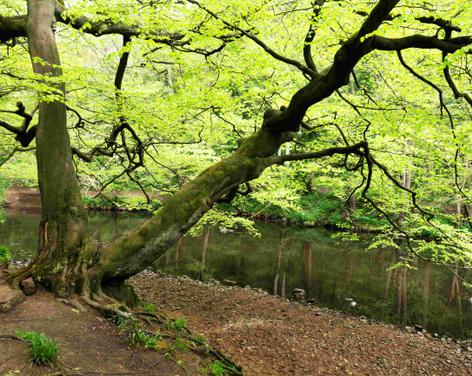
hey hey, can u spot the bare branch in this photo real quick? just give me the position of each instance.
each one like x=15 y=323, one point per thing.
x=258 y=41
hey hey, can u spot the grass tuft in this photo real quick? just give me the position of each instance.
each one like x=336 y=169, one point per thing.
x=42 y=349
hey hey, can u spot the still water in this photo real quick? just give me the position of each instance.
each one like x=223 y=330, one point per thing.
x=333 y=273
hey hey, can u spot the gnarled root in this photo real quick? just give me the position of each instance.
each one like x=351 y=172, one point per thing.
x=194 y=343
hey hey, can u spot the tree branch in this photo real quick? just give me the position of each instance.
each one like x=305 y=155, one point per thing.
x=344 y=150
x=258 y=41
x=14 y=27
x=416 y=41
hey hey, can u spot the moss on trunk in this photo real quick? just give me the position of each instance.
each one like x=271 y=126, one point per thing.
x=137 y=250
x=63 y=214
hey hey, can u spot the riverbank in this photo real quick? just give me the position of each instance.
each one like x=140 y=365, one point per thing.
x=320 y=210
x=266 y=335
x=269 y=335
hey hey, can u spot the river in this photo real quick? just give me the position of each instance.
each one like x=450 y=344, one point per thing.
x=334 y=274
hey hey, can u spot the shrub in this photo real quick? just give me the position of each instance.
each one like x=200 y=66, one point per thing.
x=5 y=255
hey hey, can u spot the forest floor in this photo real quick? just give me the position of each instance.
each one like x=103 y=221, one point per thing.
x=266 y=335
x=269 y=335
x=88 y=344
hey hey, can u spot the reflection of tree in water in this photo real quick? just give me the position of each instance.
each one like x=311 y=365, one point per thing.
x=455 y=295
x=286 y=258
x=206 y=239
x=348 y=269
x=426 y=290
x=402 y=293
x=308 y=265
x=281 y=267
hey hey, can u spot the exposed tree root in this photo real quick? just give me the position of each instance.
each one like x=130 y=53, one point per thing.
x=92 y=295
x=15 y=278
x=194 y=343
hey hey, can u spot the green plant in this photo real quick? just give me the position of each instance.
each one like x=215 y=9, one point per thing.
x=179 y=324
x=180 y=345
x=5 y=255
x=149 y=307
x=42 y=349
x=200 y=339
x=216 y=368
x=136 y=336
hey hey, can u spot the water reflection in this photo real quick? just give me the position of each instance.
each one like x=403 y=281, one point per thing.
x=332 y=273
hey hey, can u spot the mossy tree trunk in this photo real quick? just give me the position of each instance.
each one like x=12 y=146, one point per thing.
x=66 y=262
x=63 y=214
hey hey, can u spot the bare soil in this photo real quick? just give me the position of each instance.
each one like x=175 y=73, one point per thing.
x=269 y=335
x=88 y=344
x=265 y=334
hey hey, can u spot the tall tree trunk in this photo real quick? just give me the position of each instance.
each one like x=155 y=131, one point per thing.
x=63 y=214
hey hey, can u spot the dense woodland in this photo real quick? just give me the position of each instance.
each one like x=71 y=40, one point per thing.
x=352 y=114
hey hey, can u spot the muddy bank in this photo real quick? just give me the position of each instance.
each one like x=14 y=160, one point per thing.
x=269 y=335
x=24 y=199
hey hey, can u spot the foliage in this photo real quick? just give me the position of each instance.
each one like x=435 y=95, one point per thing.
x=121 y=203
x=179 y=324
x=216 y=368
x=42 y=349
x=5 y=255
x=225 y=220
x=191 y=109
x=135 y=335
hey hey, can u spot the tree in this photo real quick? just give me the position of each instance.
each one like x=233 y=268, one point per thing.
x=67 y=262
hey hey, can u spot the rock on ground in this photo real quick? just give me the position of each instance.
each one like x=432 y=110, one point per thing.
x=9 y=298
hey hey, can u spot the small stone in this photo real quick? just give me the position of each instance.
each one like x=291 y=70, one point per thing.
x=9 y=298
x=213 y=281
x=28 y=286
x=469 y=348
x=409 y=329
x=418 y=328
x=298 y=294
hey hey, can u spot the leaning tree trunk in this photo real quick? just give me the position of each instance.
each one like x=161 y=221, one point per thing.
x=63 y=214
x=136 y=250
x=65 y=263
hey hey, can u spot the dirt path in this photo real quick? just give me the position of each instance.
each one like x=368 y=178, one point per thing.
x=268 y=335
x=88 y=344
x=29 y=199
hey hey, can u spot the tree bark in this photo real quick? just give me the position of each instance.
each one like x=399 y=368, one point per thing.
x=133 y=252
x=63 y=214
